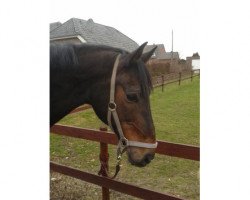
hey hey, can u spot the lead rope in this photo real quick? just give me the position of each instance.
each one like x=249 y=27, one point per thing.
x=117 y=167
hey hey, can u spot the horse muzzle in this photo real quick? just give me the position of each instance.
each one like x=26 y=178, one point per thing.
x=140 y=157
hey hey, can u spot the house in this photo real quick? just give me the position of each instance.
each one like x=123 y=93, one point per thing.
x=194 y=61
x=162 y=62
x=159 y=53
x=78 y=31
x=175 y=55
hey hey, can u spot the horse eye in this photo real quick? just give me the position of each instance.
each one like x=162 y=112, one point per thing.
x=132 y=97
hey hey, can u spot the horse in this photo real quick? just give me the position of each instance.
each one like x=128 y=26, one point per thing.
x=116 y=83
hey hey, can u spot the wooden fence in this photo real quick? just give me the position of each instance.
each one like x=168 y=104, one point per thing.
x=174 y=78
x=105 y=138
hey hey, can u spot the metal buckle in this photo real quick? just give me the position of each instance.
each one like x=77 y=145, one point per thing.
x=124 y=142
x=112 y=106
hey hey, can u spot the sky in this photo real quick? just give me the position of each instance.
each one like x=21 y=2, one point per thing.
x=141 y=20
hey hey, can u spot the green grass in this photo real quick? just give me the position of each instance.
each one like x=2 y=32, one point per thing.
x=176 y=117
x=176 y=112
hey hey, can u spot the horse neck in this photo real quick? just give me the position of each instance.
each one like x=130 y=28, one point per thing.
x=72 y=87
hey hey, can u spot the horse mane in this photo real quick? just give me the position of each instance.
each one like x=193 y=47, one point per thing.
x=144 y=78
x=62 y=55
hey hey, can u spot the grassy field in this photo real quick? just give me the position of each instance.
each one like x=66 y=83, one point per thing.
x=176 y=116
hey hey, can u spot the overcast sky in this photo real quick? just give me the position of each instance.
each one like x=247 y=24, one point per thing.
x=141 y=20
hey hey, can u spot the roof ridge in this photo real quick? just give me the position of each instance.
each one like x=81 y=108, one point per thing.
x=74 y=24
x=76 y=28
x=61 y=24
x=123 y=34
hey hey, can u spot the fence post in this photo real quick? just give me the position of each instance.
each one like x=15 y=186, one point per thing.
x=162 y=86
x=179 y=78
x=192 y=72
x=104 y=157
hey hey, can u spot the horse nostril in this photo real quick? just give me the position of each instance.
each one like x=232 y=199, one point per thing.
x=148 y=158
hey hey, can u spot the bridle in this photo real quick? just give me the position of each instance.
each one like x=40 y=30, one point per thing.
x=123 y=142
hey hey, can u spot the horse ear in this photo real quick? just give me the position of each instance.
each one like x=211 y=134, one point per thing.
x=136 y=55
x=146 y=56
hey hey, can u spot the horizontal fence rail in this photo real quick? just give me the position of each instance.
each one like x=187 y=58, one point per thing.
x=111 y=184
x=165 y=148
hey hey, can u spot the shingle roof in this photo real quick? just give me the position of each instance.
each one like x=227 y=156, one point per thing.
x=54 y=25
x=175 y=55
x=94 y=33
x=149 y=47
x=196 y=55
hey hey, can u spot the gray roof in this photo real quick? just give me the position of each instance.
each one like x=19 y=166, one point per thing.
x=54 y=25
x=94 y=33
x=160 y=52
x=148 y=48
x=193 y=57
x=175 y=55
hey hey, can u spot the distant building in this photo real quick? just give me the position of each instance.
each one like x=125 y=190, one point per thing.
x=162 y=59
x=78 y=31
x=194 y=61
x=160 y=52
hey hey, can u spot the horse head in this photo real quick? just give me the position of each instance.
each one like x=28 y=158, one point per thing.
x=132 y=87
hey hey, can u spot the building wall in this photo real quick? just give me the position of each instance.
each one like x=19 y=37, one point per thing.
x=195 y=64
x=157 y=67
